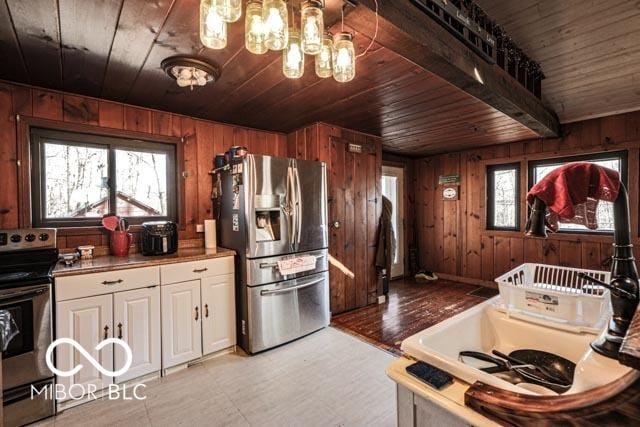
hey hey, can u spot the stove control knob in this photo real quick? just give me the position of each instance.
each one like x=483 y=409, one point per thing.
x=15 y=238
x=43 y=237
x=30 y=237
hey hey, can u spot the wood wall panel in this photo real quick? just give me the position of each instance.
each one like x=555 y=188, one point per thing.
x=202 y=140
x=452 y=236
x=354 y=201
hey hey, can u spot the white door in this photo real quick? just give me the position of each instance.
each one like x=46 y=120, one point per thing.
x=181 y=323
x=393 y=189
x=87 y=321
x=218 y=313
x=136 y=320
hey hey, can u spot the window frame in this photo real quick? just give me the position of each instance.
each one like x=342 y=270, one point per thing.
x=490 y=196
x=38 y=136
x=622 y=155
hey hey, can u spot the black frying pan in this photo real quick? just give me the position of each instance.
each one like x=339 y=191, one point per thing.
x=556 y=366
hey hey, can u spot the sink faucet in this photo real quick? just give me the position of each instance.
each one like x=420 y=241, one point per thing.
x=624 y=273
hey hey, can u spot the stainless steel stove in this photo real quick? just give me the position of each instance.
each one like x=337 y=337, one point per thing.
x=27 y=259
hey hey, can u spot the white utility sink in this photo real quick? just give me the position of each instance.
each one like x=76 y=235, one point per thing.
x=485 y=328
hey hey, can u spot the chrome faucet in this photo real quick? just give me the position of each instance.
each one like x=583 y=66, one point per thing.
x=624 y=273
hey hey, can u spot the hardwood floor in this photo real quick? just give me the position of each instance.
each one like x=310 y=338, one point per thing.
x=411 y=307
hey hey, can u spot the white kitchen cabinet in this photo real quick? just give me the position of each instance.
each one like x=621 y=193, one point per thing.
x=181 y=323
x=136 y=320
x=218 y=313
x=88 y=321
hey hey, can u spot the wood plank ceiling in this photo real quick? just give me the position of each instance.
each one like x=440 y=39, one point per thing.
x=113 y=48
x=589 y=51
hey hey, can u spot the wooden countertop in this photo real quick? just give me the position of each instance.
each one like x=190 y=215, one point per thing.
x=134 y=260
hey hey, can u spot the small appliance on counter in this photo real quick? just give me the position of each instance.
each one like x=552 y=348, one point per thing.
x=159 y=238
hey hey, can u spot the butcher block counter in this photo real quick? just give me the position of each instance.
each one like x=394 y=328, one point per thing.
x=111 y=263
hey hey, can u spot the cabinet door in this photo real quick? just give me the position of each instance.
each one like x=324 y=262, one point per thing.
x=88 y=321
x=181 y=319
x=136 y=320
x=218 y=313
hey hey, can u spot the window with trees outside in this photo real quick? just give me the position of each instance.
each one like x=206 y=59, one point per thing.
x=503 y=197
x=614 y=160
x=78 y=178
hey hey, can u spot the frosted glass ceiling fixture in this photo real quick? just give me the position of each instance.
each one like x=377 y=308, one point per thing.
x=190 y=72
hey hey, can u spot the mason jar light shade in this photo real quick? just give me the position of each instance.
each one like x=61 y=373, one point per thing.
x=213 y=29
x=293 y=56
x=324 y=66
x=344 y=57
x=275 y=18
x=229 y=10
x=312 y=24
x=254 y=34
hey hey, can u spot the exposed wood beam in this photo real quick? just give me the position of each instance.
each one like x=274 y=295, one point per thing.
x=404 y=29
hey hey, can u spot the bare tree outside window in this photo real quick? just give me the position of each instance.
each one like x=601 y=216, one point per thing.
x=141 y=177
x=503 y=196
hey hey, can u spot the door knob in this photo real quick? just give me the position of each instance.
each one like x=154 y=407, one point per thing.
x=336 y=224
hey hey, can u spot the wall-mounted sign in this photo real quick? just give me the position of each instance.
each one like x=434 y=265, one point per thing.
x=450 y=193
x=449 y=180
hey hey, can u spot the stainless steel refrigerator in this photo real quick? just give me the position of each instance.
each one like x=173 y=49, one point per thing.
x=272 y=209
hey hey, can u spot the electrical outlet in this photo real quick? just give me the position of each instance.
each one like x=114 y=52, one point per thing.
x=199 y=228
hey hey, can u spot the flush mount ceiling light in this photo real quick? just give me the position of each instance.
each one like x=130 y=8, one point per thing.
x=189 y=71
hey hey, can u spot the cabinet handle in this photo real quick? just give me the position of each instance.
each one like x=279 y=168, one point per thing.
x=206 y=310
x=106 y=332
x=120 y=330
x=200 y=270
x=112 y=282
x=197 y=315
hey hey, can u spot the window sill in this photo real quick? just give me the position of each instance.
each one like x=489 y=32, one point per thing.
x=569 y=237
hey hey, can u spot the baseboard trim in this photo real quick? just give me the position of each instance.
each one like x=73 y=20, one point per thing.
x=467 y=280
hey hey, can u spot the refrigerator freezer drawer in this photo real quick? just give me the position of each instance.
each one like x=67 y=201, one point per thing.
x=265 y=270
x=282 y=312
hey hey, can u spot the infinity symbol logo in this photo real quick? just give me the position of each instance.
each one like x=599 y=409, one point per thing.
x=85 y=353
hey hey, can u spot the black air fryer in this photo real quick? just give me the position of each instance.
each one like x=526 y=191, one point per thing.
x=159 y=238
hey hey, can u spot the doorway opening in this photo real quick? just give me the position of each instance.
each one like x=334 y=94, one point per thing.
x=393 y=189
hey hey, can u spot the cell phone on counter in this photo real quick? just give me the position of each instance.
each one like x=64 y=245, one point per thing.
x=429 y=374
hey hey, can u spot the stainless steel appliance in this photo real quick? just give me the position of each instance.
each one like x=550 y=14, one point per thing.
x=159 y=238
x=273 y=209
x=27 y=258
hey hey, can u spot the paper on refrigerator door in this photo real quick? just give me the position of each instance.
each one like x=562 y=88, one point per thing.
x=297 y=265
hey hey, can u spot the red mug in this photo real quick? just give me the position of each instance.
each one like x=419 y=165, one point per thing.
x=120 y=243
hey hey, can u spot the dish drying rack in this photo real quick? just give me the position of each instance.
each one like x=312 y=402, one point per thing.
x=556 y=294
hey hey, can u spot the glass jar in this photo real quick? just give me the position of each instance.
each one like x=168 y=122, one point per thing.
x=229 y=10
x=344 y=57
x=213 y=29
x=312 y=24
x=324 y=66
x=275 y=20
x=254 y=35
x=293 y=56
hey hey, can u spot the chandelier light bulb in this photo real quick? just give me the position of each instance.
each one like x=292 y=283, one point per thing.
x=312 y=26
x=229 y=10
x=324 y=66
x=293 y=56
x=213 y=29
x=254 y=28
x=275 y=18
x=344 y=58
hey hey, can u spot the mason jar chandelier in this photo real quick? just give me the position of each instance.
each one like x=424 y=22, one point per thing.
x=268 y=26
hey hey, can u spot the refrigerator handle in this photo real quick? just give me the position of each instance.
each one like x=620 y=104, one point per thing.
x=288 y=206
x=298 y=207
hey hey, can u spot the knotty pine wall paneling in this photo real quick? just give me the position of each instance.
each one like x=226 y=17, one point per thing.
x=354 y=192
x=202 y=140
x=452 y=235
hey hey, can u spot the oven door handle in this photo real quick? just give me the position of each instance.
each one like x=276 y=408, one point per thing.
x=9 y=294
x=293 y=288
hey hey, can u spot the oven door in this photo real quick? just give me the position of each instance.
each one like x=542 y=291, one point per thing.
x=23 y=359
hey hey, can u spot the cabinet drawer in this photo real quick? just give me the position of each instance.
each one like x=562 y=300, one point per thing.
x=182 y=272
x=85 y=285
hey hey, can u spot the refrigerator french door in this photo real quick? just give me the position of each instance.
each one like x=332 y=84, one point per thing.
x=274 y=208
